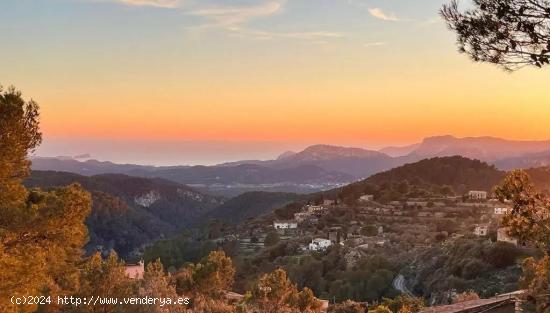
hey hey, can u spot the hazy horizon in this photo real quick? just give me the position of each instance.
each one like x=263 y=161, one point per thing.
x=189 y=152
x=179 y=152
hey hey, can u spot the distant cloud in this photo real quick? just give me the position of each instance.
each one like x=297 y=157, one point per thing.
x=375 y=44
x=153 y=3
x=233 y=16
x=380 y=14
x=314 y=36
x=234 y=19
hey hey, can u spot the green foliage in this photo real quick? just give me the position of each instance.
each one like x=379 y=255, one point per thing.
x=467 y=264
x=117 y=221
x=530 y=217
x=274 y=292
x=412 y=304
x=369 y=230
x=211 y=277
x=19 y=135
x=539 y=177
x=328 y=275
x=251 y=204
x=287 y=211
x=381 y=309
x=41 y=233
x=510 y=33
x=207 y=282
x=347 y=306
x=443 y=176
x=536 y=280
x=271 y=239
x=459 y=173
x=502 y=255
x=156 y=284
x=178 y=251
x=529 y=221
x=103 y=278
x=113 y=224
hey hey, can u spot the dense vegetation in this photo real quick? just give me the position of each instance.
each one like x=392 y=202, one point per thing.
x=179 y=250
x=119 y=221
x=436 y=177
x=113 y=224
x=540 y=178
x=509 y=33
x=41 y=233
x=250 y=205
x=467 y=264
x=462 y=174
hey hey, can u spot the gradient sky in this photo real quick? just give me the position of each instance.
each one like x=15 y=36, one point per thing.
x=264 y=75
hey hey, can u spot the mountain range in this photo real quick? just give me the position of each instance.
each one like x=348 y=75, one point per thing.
x=318 y=167
x=488 y=149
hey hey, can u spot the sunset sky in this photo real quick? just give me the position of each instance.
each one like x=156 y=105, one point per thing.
x=224 y=80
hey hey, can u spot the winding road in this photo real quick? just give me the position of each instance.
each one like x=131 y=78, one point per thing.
x=399 y=284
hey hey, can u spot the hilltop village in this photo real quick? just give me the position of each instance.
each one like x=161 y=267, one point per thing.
x=396 y=240
x=368 y=224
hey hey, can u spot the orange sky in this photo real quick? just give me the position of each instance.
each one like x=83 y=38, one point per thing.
x=298 y=71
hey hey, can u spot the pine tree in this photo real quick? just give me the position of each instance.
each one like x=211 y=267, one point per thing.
x=529 y=221
x=207 y=283
x=41 y=233
x=274 y=292
x=103 y=278
x=156 y=284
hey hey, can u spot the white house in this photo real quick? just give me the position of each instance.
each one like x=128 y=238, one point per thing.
x=285 y=224
x=501 y=211
x=366 y=198
x=319 y=244
x=481 y=230
x=329 y=202
x=477 y=195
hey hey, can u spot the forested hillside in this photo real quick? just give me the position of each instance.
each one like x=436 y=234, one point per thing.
x=129 y=212
x=466 y=264
x=251 y=205
x=540 y=177
x=437 y=176
x=462 y=174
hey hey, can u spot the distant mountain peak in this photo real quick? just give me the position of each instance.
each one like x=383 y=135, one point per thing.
x=322 y=152
x=484 y=148
x=399 y=151
x=439 y=138
x=285 y=155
